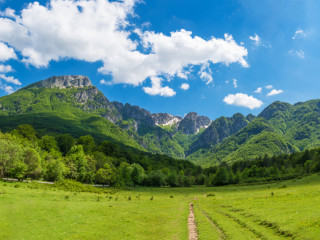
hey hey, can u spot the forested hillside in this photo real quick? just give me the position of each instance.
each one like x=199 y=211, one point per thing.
x=71 y=105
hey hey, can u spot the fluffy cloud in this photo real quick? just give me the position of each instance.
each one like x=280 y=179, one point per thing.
x=299 y=33
x=274 y=92
x=98 y=30
x=6 y=88
x=185 y=86
x=8 y=12
x=269 y=87
x=205 y=73
x=5 y=68
x=243 y=100
x=256 y=39
x=6 y=52
x=258 y=90
x=157 y=89
x=104 y=82
x=235 y=83
x=10 y=79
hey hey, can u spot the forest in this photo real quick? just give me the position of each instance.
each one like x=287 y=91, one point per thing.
x=25 y=154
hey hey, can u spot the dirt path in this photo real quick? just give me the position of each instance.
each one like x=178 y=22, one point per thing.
x=193 y=234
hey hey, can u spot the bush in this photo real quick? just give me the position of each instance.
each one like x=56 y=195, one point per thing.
x=74 y=186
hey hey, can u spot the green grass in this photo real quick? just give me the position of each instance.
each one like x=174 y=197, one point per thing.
x=34 y=211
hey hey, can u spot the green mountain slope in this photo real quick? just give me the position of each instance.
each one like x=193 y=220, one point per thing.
x=280 y=128
x=256 y=139
x=55 y=110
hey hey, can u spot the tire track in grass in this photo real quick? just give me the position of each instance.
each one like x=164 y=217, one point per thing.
x=243 y=225
x=193 y=234
x=265 y=223
x=214 y=224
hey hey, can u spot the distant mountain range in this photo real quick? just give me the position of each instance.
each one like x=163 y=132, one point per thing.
x=71 y=104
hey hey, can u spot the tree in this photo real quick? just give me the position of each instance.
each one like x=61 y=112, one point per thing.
x=65 y=143
x=48 y=143
x=77 y=161
x=56 y=169
x=221 y=177
x=105 y=175
x=27 y=131
x=88 y=143
x=124 y=174
x=172 y=179
x=10 y=154
x=308 y=165
x=33 y=162
x=135 y=176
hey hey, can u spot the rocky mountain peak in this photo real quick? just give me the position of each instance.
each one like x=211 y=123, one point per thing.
x=192 y=123
x=66 y=81
x=191 y=116
x=140 y=115
x=220 y=129
x=165 y=119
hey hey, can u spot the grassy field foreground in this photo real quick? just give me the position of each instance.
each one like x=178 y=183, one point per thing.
x=285 y=210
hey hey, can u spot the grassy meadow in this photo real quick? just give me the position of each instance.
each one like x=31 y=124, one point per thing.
x=283 y=210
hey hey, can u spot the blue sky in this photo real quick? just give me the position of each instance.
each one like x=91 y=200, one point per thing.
x=171 y=55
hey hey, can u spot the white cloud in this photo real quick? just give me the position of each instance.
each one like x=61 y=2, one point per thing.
x=10 y=79
x=183 y=73
x=157 y=89
x=243 y=100
x=8 y=12
x=97 y=30
x=256 y=39
x=6 y=88
x=299 y=33
x=274 y=92
x=227 y=81
x=258 y=90
x=269 y=86
x=205 y=73
x=5 y=68
x=235 y=84
x=6 y=52
x=104 y=82
x=185 y=86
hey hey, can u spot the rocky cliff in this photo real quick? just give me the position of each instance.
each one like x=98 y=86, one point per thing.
x=165 y=119
x=220 y=129
x=192 y=123
x=67 y=81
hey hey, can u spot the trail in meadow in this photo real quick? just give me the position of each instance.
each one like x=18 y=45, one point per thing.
x=193 y=234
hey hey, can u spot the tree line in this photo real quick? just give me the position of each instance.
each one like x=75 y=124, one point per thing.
x=265 y=169
x=25 y=154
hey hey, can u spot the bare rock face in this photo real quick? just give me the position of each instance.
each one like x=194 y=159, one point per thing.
x=140 y=115
x=220 y=129
x=67 y=81
x=165 y=119
x=192 y=123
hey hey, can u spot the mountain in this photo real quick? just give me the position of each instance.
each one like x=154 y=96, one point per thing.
x=192 y=123
x=218 y=131
x=279 y=128
x=67 y=104
x=71 y=104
